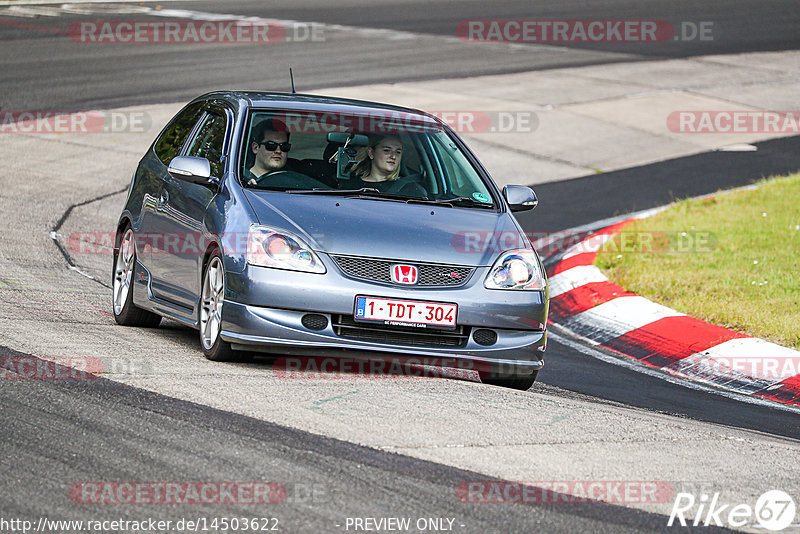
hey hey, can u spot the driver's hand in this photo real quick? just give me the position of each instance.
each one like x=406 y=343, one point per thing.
x=252 y=182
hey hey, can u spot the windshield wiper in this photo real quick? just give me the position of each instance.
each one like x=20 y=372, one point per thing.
x=366 y=192
x=371 y=192
x=337 y=192
x=267 y=188
x=458 y=201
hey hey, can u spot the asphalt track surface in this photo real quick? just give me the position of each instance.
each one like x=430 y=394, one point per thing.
x=41 y=69
x=72 y=430
x=102 y=430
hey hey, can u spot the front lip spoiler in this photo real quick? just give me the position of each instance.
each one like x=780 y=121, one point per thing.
x=312 y=348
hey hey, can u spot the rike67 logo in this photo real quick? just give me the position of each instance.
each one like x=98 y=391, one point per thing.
x=775 y=510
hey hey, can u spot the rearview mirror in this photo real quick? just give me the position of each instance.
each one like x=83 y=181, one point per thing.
x=520 y=198
x=342 y=137
x=191 y=169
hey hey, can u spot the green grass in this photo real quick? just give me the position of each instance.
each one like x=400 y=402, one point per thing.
x=737 y=266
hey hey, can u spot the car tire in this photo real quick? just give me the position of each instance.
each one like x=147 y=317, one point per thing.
x=520 y=382
x=126 y=313
x=212 y=294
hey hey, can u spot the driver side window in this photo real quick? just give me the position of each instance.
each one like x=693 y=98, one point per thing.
x=172 y=139
x=209 y=141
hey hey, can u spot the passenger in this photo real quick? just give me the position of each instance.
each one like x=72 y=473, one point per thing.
x=379 y=162
x=271 y=146
x=378 y=167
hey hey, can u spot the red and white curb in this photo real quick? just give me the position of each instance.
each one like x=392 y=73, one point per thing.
x=584 y=302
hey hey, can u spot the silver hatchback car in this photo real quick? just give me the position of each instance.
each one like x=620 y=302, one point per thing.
x=299 y=224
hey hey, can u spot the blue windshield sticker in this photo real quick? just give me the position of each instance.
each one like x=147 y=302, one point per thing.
x=480 y=197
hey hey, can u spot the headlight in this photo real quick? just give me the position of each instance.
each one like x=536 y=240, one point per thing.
x=516 y=269
x=269 y=247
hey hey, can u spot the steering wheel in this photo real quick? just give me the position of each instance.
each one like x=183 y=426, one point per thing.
x=273 y=175
x=289 y=180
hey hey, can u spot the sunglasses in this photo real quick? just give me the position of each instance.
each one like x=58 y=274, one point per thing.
x=272 y=145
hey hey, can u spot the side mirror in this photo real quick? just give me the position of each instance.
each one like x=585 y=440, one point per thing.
x=191 y=169
x=520 y=198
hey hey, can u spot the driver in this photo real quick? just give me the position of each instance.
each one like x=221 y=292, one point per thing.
x=271 y=147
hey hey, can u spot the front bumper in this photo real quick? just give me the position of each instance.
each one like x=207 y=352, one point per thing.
x=263 y=310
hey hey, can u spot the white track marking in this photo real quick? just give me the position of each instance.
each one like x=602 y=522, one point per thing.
x=575 y=277
x=620 y=316
x=628 y=363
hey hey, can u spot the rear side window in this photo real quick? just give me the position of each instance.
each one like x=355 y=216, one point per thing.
x=208 y=142
x=173 y=137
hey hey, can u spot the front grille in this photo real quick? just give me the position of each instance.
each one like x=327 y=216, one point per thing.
x=430 y=274
x=345 y=326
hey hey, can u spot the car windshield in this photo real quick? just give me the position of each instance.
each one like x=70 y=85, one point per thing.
x=393 y=156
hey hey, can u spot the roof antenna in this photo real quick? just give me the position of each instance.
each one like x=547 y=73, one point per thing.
x=291 y=77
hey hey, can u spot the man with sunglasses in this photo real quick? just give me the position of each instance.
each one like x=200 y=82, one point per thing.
x=271 y=146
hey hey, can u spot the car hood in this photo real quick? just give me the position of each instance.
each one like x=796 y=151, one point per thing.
x=386 y=229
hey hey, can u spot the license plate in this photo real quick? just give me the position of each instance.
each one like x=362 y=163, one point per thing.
x=397 y=312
